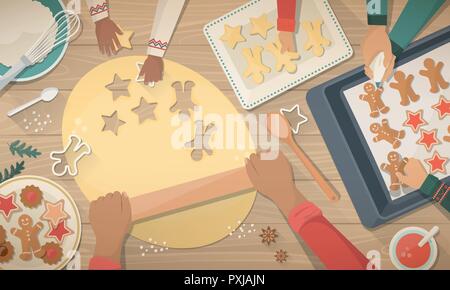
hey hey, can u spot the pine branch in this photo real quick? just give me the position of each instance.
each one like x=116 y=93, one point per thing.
x=20 y=149
x=12 y=172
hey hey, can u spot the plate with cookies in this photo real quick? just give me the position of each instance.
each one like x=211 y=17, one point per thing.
x=40 y=225
x=247 y=45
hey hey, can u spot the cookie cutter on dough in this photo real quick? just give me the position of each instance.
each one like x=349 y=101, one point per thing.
x=76 y=148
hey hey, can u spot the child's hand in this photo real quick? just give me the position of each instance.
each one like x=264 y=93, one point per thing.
x=287 y=40
x=376 y=41
x=106 y=31
x=274 y=179
x=152 y=69
x=110 y=217
x=415 y=174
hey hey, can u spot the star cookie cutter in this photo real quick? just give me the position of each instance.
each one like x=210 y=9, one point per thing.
x=76 y=147
x=303 y=118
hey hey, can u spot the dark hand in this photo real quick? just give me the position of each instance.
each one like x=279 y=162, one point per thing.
x=152 y=69
x=106 y=31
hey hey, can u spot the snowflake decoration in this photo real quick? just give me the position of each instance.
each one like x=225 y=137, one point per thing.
x=268 y=236
x=281 y=256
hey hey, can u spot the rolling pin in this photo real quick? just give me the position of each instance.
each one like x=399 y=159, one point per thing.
x=234 y=181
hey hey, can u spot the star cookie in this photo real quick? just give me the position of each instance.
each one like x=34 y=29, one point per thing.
x=414 y=120
x=437 y=163
x=112 y=123
x=261 y=25
x=59 y=232
x=125 y=39
x=232 y=35
x=118 y=87
x=8 y=205
x=145 y=110
x=443 y=107
x=428 y=139
x=54 y=212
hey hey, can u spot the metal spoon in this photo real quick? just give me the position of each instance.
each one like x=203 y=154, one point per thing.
x=47 y=95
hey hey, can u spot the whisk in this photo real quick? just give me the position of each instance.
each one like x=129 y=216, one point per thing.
x=62 y=30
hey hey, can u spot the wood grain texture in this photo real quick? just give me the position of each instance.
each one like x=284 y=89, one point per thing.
x=190 y=48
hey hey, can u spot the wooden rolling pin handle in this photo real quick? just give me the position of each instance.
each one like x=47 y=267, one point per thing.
x=190 y=193
x=314 y=171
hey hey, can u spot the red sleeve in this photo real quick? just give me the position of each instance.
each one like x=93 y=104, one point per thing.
x=102 y=263
x=286 y=15
x=327 y=243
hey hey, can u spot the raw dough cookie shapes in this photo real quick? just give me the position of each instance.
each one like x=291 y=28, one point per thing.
x=404 y=87
x=373 y=98
x=145 y=110
x=316 y=40
x=66 y=161
x=201 y=140
x=255 y=67
x=118 y=86
x=232 y=35
x=396 y=164
x=385 y=132
x=261 y=25
x=433 y=71
x=184 y=102
x=283 y=60
x=112 y=123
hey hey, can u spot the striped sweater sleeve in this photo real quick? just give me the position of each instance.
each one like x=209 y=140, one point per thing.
x=438 y=190
x=98 y=9
x=166 y=18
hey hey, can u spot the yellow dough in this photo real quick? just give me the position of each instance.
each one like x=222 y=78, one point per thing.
x=232 y=35
x=141 y=159
x=261 y=25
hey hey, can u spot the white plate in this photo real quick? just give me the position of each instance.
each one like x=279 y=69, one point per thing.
x=233 y=63
x=52 y=192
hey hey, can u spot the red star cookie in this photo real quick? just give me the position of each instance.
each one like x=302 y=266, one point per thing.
x=428 y=139
x=8 y=205
x=59 y=232
x=54 y=212
x=443 y=107
x=414 y=120
x=437 y=163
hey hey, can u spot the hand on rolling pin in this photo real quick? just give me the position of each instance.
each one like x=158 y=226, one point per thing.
x=274 y=179
x=110 y=217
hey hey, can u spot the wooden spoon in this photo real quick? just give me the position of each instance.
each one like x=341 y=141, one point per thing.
x=284 y=133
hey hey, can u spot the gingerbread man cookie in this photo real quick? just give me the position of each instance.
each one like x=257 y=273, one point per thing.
x=385 y=132
x=28 y=235
x=433 y=71
x=6 y=248
x=255 y=68
x=396 y=164
x=373 y=98
x=404 y=87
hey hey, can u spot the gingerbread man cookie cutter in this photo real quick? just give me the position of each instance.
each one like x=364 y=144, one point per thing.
x=75 y=147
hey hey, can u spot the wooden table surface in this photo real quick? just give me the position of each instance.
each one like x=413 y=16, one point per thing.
x=190 y=48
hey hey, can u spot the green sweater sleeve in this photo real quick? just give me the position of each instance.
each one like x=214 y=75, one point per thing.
x=376 y=12
x=438 y=190
x=413 y=18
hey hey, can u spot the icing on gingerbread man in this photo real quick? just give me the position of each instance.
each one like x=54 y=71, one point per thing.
x=404 y=87
x=396 y=164
x=28 y=235
x=433 y=71
x=373 y=98
x=385 y=132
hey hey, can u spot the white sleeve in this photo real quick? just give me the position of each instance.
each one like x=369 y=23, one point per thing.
x=98 y=9
x=166 y=18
